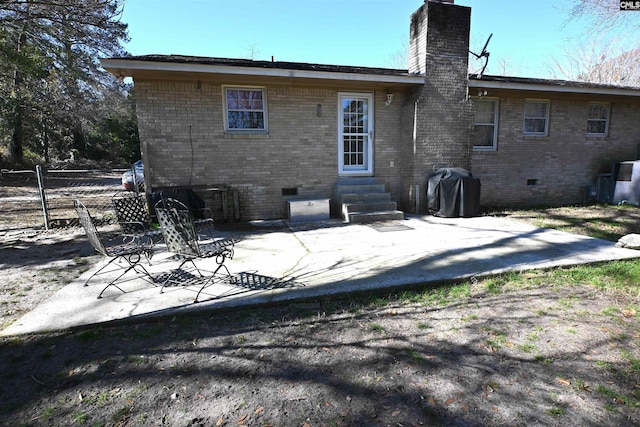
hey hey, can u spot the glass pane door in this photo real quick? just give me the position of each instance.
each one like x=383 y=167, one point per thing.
x=356 y=131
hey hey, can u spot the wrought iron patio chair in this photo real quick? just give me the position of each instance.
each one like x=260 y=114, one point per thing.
x=182 y=240
x=201 y=216
x=133 y=218
x=131 y=253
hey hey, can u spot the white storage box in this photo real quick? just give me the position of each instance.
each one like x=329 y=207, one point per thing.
x=308 y=209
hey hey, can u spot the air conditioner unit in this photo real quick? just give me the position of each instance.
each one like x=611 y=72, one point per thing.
x=627 y=186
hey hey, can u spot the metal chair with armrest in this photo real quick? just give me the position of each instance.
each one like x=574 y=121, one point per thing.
x=201 y=216
x=131 y=253
x=133 y=217
x=181 y=239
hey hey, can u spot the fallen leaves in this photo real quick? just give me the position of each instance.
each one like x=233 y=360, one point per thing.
x=628 y=313
x=243 y=418
x=487 y=389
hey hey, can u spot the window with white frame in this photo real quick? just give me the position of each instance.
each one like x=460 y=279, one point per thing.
x=245 y=109
x=485 y=132
x=536 y=117
x=598 y=119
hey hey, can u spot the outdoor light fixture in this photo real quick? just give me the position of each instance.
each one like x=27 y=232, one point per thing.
x=482 y=93
x=389 y=98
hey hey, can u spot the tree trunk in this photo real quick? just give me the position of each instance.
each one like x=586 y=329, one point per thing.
x=17 y=137
x=16 y=147
x=45 y=141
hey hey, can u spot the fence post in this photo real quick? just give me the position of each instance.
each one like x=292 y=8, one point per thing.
x=43 y=196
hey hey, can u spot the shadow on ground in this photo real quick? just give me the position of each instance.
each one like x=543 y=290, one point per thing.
x=539 y=356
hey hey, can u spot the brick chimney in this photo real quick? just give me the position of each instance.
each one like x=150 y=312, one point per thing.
x=441 y=112
x=438 y=28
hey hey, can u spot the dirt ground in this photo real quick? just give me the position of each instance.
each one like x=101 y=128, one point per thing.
x=488 y=353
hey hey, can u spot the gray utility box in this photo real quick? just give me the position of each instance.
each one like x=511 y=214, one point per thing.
x=308 y=209
x=627 y=187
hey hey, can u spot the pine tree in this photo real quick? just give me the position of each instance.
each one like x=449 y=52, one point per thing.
x=51 y=84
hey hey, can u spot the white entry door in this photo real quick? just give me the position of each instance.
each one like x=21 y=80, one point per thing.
x=355 y=133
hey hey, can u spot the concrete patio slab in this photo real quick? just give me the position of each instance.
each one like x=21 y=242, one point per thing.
x=277 y=261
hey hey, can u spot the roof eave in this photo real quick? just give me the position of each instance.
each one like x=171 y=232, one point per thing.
x=537 y=87
x=128 y=68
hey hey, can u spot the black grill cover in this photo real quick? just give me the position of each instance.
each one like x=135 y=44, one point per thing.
x=453 y=192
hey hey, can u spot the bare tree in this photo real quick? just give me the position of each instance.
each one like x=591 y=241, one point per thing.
x=603 y=16
x=252 y=50
x=598 y=61
x=400 y=58
x=622 y=70
x=505 y=66
x=606 y=51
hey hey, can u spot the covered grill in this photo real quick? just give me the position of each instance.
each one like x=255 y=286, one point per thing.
x=453 y=192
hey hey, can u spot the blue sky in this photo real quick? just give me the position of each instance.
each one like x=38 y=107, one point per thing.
x=342 y=32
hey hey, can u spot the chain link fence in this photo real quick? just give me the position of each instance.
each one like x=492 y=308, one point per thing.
x=43 y=199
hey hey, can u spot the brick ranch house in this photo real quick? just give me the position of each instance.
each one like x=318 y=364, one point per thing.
x=274 y=132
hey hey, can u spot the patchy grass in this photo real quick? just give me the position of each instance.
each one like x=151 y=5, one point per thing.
x=416 y=356
x=606 y=222
x=90 y=335
x=556 y=411
x=376 y=327
x=617 y=397
x=497 y=340
x=456 y=353
x=528 y=348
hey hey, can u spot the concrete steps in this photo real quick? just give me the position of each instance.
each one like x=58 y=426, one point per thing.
x=364 y=200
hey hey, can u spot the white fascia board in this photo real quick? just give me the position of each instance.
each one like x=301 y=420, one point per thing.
x=553 y=88
x=129 y=66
